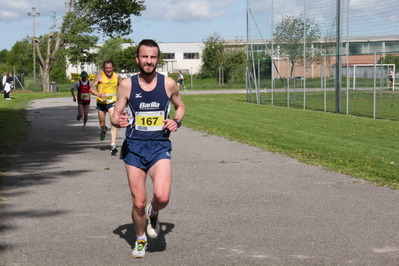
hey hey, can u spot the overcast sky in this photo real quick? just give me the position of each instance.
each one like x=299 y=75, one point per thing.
x=195 y=20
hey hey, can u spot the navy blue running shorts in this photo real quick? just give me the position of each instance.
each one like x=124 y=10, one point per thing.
x=105 y=107
x=145 y=153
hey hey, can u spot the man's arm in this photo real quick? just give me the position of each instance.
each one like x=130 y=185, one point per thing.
x=119 y=118
x=93 y=87
x=174 y=95
x=73 y=93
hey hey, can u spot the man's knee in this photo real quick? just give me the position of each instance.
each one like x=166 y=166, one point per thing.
x=139 y=207
x=162 y=200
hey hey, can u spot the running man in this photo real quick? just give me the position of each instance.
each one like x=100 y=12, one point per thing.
x=180 y=80
x=105 y=87
x=83 y=89
x=147 y=97
x=390 y=77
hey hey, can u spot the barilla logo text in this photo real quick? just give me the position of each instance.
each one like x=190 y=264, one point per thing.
x=145 y=106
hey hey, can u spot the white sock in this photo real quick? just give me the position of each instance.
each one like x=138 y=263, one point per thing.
x=113 y=145
x=143 y=237
x=152 y=211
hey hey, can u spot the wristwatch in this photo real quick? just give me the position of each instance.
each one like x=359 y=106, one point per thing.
x=178 y=122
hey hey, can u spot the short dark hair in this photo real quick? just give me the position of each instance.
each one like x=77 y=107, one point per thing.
x=149 y=43
x=108 y=62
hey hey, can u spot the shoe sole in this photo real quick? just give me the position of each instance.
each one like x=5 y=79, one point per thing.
x=151 y=232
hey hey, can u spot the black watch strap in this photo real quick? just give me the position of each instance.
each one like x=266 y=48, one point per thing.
x=178 y=122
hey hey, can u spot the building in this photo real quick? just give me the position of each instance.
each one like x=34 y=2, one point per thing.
x=186 y=56
x=178 y=56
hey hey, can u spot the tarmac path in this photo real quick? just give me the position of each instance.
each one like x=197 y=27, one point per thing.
x=66 y=202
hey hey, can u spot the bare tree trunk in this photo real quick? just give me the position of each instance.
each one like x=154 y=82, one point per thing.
x=46 y=63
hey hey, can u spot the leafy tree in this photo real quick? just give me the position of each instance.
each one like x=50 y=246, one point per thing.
x=20 y=57
x=3 y=54
x=58 y=72
x=125 y=59
x=235 y=62
x=289 y=35
x=390 y=59
x=82 y=18
x=217 y=54
x=261 y=60
x=212 y=57
x=109 y=49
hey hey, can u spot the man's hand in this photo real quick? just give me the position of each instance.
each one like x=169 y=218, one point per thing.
x=123 y=120
x=170 y=125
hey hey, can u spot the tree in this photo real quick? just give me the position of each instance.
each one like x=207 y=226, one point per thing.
x=125 y=59
x=3 y=54
x=212 y=56
x=73 y=38
x=20 y=57
x=390 y=59
x=217 y=55
x=289 y=36
x=235 y=61
x=109 y=49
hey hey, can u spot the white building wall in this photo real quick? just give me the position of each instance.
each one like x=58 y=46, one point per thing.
x=188 y=66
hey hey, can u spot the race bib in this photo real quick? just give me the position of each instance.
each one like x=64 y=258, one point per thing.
x=110 y=98
x=149 y=121
x=85 y=96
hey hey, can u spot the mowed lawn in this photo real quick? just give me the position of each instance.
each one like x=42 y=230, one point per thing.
x=358 y=146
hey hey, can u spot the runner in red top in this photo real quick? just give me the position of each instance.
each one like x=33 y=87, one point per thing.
x=83 y=88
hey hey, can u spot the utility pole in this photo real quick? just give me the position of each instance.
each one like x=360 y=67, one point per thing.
x=34 y=15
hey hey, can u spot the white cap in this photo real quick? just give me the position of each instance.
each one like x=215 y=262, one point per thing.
x=123 y=71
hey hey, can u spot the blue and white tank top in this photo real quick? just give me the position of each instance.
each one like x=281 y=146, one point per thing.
x=147 y=110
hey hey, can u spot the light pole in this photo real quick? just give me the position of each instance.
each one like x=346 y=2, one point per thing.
x=34 y=15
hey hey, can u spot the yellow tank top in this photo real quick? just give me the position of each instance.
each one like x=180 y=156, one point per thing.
x=109 y=87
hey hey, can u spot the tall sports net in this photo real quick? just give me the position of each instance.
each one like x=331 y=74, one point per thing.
x=299 y=46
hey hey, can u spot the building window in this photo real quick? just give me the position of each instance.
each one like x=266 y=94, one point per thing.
x=191 y=56
x=169 y=56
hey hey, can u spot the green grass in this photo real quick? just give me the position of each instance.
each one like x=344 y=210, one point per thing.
x=360 y=102
x=357 y=146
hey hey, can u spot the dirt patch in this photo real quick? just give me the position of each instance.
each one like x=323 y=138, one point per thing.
x=20 y=91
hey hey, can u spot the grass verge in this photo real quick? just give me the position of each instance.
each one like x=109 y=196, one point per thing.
x=358 y=146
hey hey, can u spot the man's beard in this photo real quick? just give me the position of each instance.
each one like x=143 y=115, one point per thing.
x=143 y=72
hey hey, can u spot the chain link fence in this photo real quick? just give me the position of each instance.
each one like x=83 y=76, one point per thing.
x=327 y=56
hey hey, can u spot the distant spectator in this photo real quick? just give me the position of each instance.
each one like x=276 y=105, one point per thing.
x=5 y=75
x=8 y=86
x=122 y=75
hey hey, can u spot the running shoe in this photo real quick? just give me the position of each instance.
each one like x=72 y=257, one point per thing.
x=84 y=128
x=114 y=150
x=139 y=249
x=78 y=117
x=102 y=134
x=153 y=226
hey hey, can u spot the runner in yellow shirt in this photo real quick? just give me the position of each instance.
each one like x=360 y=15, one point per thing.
x=105 y=87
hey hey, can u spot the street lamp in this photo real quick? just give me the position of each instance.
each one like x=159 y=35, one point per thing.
x=34 y=15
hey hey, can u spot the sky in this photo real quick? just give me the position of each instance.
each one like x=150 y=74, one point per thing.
x=163 y=20
x=195 y=20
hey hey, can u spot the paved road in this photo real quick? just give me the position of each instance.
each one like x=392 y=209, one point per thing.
x=67 y=203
